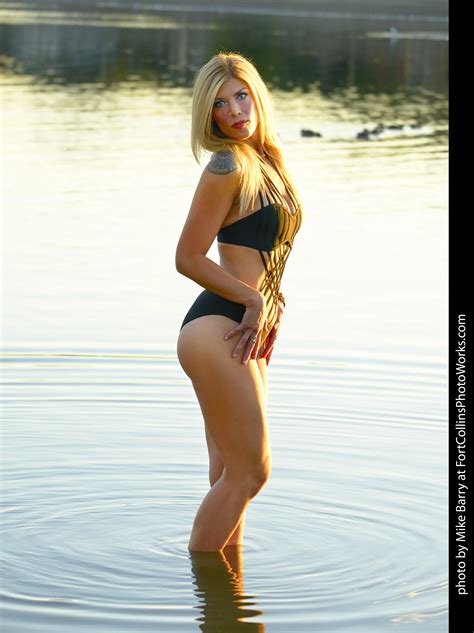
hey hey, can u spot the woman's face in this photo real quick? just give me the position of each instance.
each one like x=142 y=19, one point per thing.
x=234 y=104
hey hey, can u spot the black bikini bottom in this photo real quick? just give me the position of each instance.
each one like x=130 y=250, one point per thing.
x=210 y=303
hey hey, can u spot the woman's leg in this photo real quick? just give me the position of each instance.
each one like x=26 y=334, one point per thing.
x=216 y=468
x=216 y=463
x=232 y=400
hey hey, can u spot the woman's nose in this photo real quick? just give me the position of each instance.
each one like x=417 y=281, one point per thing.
x=234 y=109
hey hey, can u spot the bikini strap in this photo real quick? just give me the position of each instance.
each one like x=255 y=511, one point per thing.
x=277 y=195
x=273 y=188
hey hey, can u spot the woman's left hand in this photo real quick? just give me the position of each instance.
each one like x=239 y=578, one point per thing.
x=271 y=338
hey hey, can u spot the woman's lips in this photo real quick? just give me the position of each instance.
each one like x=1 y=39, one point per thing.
x=240 y=124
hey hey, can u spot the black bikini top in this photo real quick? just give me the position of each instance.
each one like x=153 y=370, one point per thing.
x=264 y=229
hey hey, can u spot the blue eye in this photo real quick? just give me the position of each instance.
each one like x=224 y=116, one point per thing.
x=241 y=94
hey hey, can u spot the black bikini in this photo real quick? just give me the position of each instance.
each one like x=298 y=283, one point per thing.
x=270 y=230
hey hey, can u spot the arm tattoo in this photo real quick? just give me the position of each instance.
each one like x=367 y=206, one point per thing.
x=222 y=162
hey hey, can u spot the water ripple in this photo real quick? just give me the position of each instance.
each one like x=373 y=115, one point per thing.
x=98 y=501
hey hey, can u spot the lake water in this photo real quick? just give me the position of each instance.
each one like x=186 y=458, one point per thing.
x=103 y=448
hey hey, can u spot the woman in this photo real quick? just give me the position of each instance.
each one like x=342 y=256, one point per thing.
x=232 y=117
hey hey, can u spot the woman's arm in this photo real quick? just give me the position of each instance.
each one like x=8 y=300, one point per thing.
x=212 y=200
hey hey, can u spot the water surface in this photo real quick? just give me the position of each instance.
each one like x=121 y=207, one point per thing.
x=103 y=447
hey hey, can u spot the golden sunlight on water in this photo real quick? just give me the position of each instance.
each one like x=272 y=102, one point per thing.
x=96 y=196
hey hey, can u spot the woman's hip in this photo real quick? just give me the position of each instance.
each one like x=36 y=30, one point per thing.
x=202 y=331
x=207 y=303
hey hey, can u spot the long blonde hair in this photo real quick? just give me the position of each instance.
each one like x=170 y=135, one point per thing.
x=203 y=135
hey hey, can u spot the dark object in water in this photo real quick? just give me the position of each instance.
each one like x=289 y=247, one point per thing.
x=366 y=134
x=310 y=133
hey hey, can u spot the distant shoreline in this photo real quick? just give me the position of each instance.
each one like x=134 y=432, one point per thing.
x=424 y=10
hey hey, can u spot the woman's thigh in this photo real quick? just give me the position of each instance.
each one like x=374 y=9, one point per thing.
x=215 y=458
x=231 y=395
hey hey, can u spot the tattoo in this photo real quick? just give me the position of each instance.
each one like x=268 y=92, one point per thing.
x=222 y=162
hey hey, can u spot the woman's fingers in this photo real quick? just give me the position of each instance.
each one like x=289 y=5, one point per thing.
x=252 y=348
x=242 y=342
x=270 y=342
x=255 y=347
x=250 y=335
x=235 y=330
x=247 y=345
x=230 y=333
x=251 y=343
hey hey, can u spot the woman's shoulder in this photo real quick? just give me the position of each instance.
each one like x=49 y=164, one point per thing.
x=222 y=162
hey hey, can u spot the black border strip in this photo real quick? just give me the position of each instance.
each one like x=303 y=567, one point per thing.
x=461 y=438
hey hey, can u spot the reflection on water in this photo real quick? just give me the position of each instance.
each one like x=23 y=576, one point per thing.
x=291 y=53
x=218 y=579
x=104 y=459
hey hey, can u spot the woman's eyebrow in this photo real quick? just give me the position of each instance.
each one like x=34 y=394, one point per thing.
x=235 y=93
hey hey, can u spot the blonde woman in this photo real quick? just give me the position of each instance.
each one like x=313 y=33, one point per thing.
x=247 y=199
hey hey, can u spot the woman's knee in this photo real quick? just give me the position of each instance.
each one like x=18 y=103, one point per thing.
x=251 y=477
x=258 y=479
x=216 y=468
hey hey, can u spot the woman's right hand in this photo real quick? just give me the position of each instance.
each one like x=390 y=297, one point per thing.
x=252 y=325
